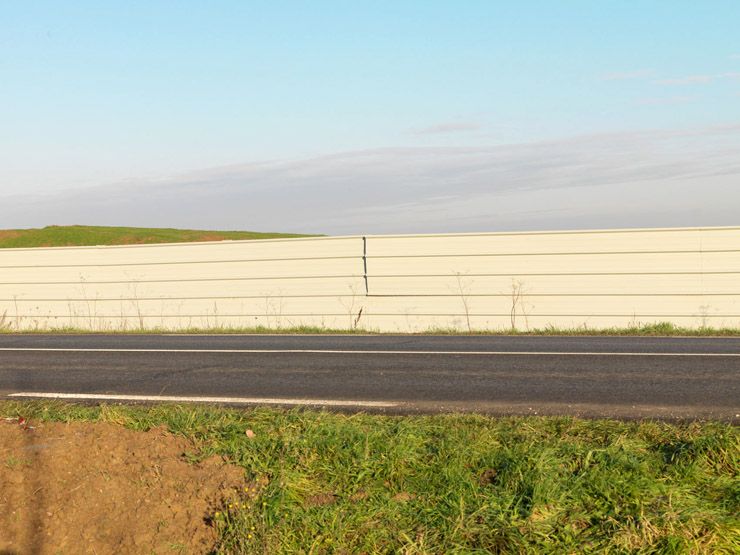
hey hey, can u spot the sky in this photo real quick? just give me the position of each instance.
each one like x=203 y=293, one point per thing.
x=370 y=116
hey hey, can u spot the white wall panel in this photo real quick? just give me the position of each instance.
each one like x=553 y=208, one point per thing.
x=215 y=288
x=563 y=264
x=285 y=269
x=270 y=249
x=690 y=277
x=603 y=284
x=705 y=239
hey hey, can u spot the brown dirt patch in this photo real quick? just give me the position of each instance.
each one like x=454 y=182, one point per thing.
x=488 y=477
x=100 y=488
x=320 y=500
x=358 y=496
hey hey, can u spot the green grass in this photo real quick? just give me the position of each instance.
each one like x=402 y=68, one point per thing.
x=661 y=329
x=80 y=235
x=336 y=483
x=658 y=329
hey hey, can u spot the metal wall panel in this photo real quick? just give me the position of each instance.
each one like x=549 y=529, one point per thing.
x=267 y=249
x=562 y=264
x=263 y=270
x=602 y=284
x=649 y=240
x=690 y=277
x=185 y=288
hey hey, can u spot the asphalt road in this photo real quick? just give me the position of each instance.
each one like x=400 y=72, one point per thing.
x=624 y=377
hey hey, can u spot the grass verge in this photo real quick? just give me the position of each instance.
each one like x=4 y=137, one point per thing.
x=336 y=483
x=661 y=329
x=82 y=235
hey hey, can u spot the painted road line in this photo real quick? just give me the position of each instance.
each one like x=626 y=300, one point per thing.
x=222 y=400
x=360 y=352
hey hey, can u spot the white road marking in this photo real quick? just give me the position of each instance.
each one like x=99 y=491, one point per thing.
x=362 y=352
x=224 y=400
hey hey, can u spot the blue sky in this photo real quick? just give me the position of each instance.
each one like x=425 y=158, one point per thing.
x=101 y=94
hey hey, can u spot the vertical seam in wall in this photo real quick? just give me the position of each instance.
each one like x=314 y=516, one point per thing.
x=704 y=308
x=364 y=264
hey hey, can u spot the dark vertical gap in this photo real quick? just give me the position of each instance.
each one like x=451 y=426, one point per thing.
x=364 y=264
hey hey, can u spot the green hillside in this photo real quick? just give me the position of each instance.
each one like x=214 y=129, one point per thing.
x=80 y=235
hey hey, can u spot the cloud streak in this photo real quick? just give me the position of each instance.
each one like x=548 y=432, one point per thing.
x=627 y=75
x=666 y=101
x=448 y=127
x=646 y=179
x=697 y=79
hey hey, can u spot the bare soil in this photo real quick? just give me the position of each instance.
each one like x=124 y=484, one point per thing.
x=101 y=488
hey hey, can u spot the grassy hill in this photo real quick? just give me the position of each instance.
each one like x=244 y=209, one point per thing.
x=81 y=235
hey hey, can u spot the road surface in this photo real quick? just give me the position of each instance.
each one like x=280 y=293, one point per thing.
x=622 y=377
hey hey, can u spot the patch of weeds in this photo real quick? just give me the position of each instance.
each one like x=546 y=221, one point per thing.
x=659 y=329
x=15 y=463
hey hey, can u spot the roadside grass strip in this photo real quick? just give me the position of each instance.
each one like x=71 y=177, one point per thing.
x=661 y=329
x=339 y=483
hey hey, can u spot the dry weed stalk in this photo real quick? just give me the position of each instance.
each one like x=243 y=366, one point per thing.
x=517 y=302
x=465 y=300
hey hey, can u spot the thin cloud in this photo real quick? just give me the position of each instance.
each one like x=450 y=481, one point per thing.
x=698 y=79
x=448 y=127
x=690 y=80
x=665 y=101
x=627 y=75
